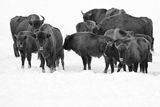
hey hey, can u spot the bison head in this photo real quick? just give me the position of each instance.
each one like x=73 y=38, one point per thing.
x=42 y=41
x=35 y=21
x=122 y=46
x=68 y=43
x=87 y=16
x=110 y=49
x=21 y=40
x=95 y=14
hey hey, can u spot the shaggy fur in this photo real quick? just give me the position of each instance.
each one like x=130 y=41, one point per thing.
x=134 y=50
x=49 y=42
x=21 y=23
x=26 y=45
x=87 y=45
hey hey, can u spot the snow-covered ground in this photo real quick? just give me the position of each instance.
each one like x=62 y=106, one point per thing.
x=73 y=87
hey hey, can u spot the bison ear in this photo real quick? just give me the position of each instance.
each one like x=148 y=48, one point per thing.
x=48 y=35
x=82 y=12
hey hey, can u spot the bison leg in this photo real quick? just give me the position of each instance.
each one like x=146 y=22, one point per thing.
x=111 y=64
x=135 y=67
x=62 y=61
x=22 y=58
x=52 y=63
x=124 y=67
x=146 y=67
x=142 y=67
x=84 y=59
x=120 y=65
x=16 y=52
x=150 y=57
x=130 y=68
x=89 y=62
x=29 y=59
x=42 y=62
x=62 y=58
x=107 y=63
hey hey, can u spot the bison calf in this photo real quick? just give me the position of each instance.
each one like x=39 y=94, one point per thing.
x=26 y=45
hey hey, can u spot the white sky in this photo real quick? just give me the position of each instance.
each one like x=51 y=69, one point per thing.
x=65 y=14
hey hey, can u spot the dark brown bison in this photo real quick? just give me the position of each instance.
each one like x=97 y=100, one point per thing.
x=87 y=45
x=111 y=52
x=95 y=15
x=121 y=34
x=98 y=15
x=125 y=22
x=134 y=51
x=26 y=45
x=49 y=42
x=87 y=26
x=22 y=23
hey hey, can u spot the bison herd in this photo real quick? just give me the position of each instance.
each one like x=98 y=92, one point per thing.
x=113 y=34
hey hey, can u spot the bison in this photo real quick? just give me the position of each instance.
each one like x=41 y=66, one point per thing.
x=95 y=15
x=23 y=23
x=118 y=36
x=134 y=51
x=98 y=15
x=126 y=22
x=121 y=34
x=87 y=45
x=26 y=44
x=50 y=46
x=87 y=26
x=111 y=52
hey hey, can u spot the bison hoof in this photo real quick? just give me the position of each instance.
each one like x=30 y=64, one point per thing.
x=52 y=70
x=22 y=66
x=17 y=55
x=43 y=70
x=40 y=65
x=29 y=66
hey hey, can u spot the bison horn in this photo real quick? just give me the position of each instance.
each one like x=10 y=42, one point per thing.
x=82 y=13
x=42 y=19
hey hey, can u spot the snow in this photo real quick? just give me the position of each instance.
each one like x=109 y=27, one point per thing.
x=74 y=87
x=85 y=89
